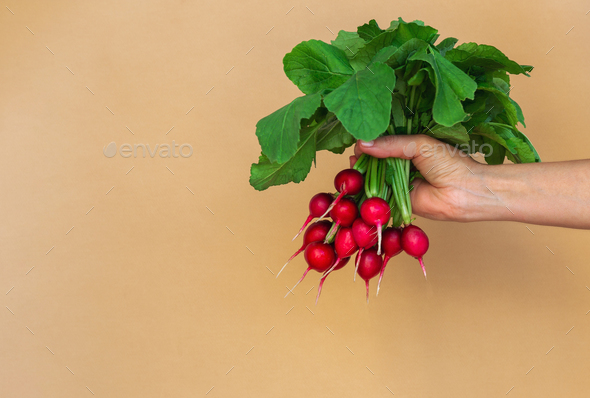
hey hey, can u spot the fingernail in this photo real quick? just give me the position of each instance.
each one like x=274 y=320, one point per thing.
x=367 y=143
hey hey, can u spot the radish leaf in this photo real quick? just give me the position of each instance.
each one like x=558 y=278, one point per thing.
x=489 y=57
x=278 y=133
x=363 y=103
x=456 y=134
x=452 y=86
x=314 y=66
x=333 y=137
x=369 y=30
x=267 y=173
x=349 y=43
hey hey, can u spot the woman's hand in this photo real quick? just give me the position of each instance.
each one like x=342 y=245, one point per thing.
x=451 y=186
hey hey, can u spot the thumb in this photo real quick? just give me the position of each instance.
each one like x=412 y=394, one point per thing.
x=398 y=146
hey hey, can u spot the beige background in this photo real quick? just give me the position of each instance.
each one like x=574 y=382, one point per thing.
x=152 y=295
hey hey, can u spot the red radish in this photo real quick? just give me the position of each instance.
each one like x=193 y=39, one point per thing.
x=369 y=267
x=319 y=256
x=365 y=236
x=318 y=205
x=346 y=182
x=392 y=246
x=343 y=214
x=345 y=246
x=341 y=264
x=415 y=243
x=375 y=211
x=316 y=232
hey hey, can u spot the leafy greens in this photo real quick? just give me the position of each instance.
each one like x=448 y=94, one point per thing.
x=364 y=84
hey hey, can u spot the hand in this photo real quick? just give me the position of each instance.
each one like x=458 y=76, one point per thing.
x=451 y=189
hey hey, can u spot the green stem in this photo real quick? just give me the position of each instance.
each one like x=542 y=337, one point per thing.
x=361 y=163
x=397 y=187
x=410 y=106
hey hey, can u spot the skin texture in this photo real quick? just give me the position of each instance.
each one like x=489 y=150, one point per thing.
x=458 y=188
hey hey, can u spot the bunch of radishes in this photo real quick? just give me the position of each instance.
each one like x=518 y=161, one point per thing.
x=359 y=224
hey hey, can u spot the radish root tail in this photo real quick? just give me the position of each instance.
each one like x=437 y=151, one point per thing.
x=379 y=239
x=423 y=269
x=309 y=218
x=320 y=288
x=334 y=203
x=332 y=268
x=293 y=288
x=381 y=274
x=358 y=261
x=289 y=260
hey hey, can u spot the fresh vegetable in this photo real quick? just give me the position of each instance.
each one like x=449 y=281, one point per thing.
x=392 y=246
x=345 y=246
x=315 y=233
x=415 y=243
x=369 y=266
x=318 y=207
x=375 y=211
x=365 y=236
x=374 y=82
x=319 y=257
x=347 y=182
x=344 y=213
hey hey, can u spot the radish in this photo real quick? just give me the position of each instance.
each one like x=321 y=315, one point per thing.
x=318 y=205
x=415 y=243
x=365 y=236
x=319 y=256
x=345 y=246
x=344 y=213
x=316 y=232
x=346 y=182
x=375 y=211
x=336 y=267
x=392 y=246
x=369 y=266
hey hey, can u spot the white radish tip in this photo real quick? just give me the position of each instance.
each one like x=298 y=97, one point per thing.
x=282 y=269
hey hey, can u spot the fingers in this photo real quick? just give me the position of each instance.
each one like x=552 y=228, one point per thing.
x=397 y=146
x=357 y=150
x=353 y=160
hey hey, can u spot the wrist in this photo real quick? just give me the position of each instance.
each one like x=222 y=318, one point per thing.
x=502 y=185
x=483 y=195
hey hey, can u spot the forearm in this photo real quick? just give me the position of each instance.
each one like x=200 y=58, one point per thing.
x=556 y=194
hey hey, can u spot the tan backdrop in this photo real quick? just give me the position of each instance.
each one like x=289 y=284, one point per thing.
x=153 y=277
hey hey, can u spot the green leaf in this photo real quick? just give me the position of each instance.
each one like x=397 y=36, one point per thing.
x=349 y=42
x=446 y=45
x=525 y=139
x=266 y=173
x=333 y=137
x=396 y=56
x=494 y=153
x=365 y=54
x=314 y=66
x=398 y=104
x=363 y=103
x=369 y=30
x=452 y=87
x=412 y=30
x=418 y=78
x=519 y=114
x=482 y=55
x=395 y=23
x=506 y=102
x=519 y=151
x=278 y=133
x=456 y=134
